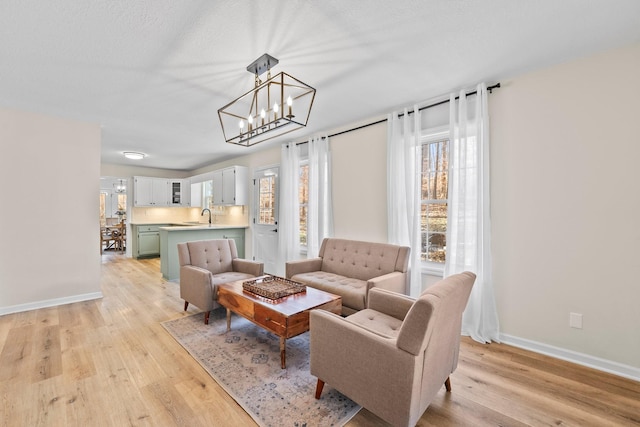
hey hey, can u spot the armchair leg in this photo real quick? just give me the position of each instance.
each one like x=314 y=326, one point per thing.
x=447 y=384
x=186 y=304
x=206 y=317
x=319 y=388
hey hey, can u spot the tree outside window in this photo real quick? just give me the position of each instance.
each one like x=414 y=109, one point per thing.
x=303 y=200
x=434 y=200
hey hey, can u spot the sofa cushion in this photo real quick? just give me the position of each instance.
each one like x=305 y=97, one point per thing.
x=377 y=322
x=352 y=291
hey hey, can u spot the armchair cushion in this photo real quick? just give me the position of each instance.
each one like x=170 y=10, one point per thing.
x=377 y=322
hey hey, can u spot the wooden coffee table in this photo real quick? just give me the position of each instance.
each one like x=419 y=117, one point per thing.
x=286 y=317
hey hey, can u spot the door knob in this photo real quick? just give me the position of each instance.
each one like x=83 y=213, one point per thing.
x=275 y=230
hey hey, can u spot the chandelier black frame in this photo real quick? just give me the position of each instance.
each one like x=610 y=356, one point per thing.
x=275 y=107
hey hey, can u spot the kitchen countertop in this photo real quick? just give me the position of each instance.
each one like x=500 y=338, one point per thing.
x=199 y=226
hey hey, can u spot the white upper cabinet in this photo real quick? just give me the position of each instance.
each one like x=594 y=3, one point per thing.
x=218 y=188
x=150 y=191
x=179 y=192
x=196 y=194
x=230 y=186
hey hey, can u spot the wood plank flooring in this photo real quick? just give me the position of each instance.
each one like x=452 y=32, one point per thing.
x=108 y=362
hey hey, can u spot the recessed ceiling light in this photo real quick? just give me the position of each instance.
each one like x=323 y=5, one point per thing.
x=133 y=155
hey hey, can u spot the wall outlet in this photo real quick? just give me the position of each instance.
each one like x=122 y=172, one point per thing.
x=575 y=320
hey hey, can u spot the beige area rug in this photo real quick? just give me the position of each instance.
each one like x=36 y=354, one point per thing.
x=246 y=363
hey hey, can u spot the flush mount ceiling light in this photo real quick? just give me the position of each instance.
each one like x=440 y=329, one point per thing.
x=277 y=106
x=133 y=155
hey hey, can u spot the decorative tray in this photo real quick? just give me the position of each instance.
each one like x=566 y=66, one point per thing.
x=273 y=287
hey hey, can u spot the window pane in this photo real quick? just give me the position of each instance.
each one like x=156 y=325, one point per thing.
x=303 y=187
x=303 y=199
x=303 y=225
x=435 y=164
x=267 y=200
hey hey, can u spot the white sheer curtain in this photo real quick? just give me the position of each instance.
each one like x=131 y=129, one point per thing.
x=289 y=206
x=403 y=203
x=469 y=224
x=319 y=208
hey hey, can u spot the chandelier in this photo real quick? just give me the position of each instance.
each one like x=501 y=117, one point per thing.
x=274 y=107
x=120 y=187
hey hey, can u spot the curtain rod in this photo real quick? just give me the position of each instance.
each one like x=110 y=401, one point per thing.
x=490 y=89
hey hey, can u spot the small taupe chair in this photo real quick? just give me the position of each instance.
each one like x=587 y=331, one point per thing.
x=205 y=264
x=393 y=356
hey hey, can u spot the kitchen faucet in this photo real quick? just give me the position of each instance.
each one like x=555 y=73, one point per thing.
x=202 y=214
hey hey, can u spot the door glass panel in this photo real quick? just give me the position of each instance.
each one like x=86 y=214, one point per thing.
x=267 y=200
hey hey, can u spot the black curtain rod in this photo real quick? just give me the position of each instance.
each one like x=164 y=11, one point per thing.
x=490 y=89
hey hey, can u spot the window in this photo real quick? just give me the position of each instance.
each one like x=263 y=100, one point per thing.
x=434 y=197
x=303 y=200
x=267 y=200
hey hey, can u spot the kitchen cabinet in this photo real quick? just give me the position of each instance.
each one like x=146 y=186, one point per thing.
x=196 y=195
x=146 y=240
x=150 y=191
x=217 y=188
x=179 y=192
x=230 y=186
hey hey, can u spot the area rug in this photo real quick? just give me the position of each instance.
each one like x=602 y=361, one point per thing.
x=246 y=362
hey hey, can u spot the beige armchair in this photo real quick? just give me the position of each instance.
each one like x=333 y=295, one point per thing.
x=205 y=264
x=394 y=356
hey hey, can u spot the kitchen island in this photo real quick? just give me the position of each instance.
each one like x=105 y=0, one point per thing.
x=171 y=236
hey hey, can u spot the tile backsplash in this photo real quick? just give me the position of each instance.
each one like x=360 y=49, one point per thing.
x=226 y=215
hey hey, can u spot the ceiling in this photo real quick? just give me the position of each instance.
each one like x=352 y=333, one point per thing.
x=153 y=73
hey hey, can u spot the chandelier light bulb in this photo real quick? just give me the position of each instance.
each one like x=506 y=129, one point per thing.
x=289 y=103
x=250 y=119
x=241 y=124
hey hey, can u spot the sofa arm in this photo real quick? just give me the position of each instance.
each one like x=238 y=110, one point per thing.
x=302 y=266
x=246 y=266
x=197 y=287
x=390 y=303
x=394 y=281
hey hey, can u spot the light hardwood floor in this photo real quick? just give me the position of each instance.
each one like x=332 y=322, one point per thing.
x=108 y=362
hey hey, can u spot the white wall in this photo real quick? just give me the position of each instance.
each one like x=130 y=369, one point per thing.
x=565 y=203
x=50 y=242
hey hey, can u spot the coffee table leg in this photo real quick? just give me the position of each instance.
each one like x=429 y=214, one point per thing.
x=228 y=320
x=283 y=352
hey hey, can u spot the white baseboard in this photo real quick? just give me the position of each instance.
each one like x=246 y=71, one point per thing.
x=49 y=303
x=604 y=365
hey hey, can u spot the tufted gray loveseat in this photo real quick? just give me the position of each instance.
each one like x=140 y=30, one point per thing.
x=350 y=268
